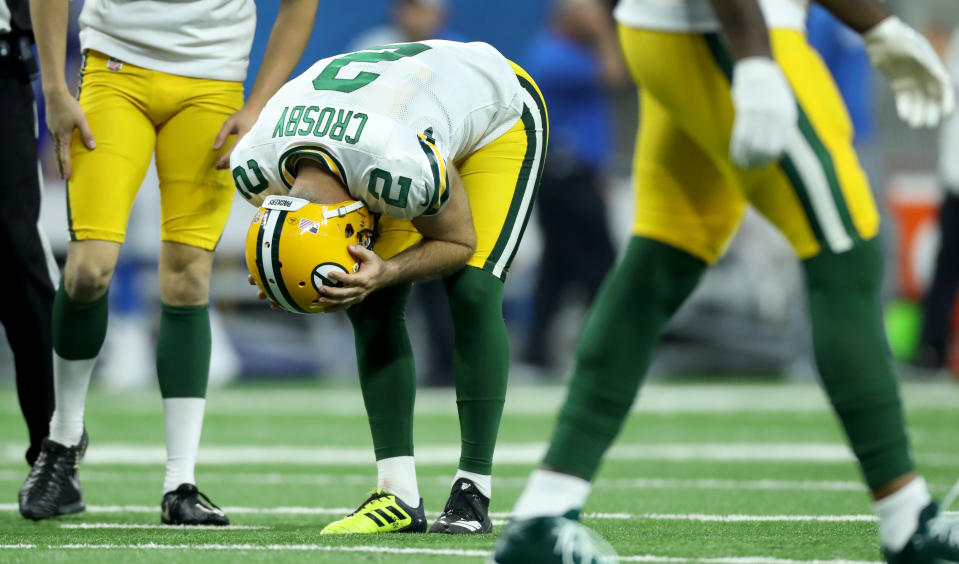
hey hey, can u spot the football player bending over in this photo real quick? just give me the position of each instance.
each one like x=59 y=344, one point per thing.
x=446 y=141
x=749 y=117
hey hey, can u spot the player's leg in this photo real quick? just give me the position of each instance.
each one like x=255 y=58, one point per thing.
x=384 y=357
x=687 y=207
x=26 y=254
x=685 y=212
x=195 y=201
x=99 y=197
x=819 y=181
x=501 y=180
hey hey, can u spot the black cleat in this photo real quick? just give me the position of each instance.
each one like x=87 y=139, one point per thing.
x=187 y=505
x=466 y=511
x=936 y=541
x=53 y=487
x=551 y=540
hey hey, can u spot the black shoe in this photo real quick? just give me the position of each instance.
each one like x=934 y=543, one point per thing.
x=53 y=488
x=466 y=511
x=184 y=506
x=551 y=540
x=936 y=541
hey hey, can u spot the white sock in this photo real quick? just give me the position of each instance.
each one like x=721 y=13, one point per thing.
x=483 y=482
x=183 y=420
x=71 y=378
x=899 y=513
x=397 y=475
x=551 y=494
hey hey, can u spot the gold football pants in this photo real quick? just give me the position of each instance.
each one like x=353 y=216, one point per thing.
x=133 y=113
x=688 y=193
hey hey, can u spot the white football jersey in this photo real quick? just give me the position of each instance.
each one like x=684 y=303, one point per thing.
x=197 y=38
x=697 y=15
x=385 y=121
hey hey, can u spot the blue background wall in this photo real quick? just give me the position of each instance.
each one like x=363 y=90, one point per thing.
x=506 y=24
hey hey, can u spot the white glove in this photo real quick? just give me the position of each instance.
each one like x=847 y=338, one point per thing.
x=766 y=112
x=924 y=93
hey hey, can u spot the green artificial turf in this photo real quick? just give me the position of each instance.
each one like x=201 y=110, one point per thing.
x=309 y=458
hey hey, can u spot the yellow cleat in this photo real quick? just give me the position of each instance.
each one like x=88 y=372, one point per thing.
x=382 y=512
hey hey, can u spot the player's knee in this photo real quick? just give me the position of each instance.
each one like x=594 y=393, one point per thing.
x=857 y=270
x=186 y=285
x=185 y=274
x=477 y=297
x=87 y=280
x=189 y=287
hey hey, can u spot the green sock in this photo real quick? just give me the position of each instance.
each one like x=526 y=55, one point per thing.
x=480 y=363
x=387 y=371
x=632 y=308
x=183 y=351
x=854 y=360
x=79 y=328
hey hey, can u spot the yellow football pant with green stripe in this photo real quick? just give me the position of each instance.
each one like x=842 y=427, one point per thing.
x=689 y=201
x=690 y=195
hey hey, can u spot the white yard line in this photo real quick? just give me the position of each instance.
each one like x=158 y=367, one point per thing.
x=278 y=547
x=506 y=453
x=301 y=510
x=164 y=527
x=735 y=560
x=324 y=479
x=707 y=518
x=469 y=553
x=523 y=399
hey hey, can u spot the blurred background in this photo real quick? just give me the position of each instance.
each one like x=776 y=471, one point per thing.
x=746 y=320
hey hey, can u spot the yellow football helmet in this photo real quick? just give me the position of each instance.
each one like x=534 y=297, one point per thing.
x=293 y=245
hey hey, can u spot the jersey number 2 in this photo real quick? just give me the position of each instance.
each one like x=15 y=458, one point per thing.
x=327 y=79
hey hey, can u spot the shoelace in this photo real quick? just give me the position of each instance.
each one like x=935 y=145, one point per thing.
x=208 y=501
x=574 y=539
x=375 y=494
x=461 y=503
x=945 y=528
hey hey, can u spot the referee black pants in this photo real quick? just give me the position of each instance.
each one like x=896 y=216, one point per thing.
x=577 y=248
x=26 y=284
x=941 y=297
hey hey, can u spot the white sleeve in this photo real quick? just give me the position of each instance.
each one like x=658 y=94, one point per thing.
x=254 y=171
x=412 y=181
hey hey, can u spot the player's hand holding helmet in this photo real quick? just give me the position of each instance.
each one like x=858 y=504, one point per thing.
x=766 y=113
x=924 y=92
x=293 y=245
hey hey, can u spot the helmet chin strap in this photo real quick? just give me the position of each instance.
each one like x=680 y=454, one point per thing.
x=342 y=210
